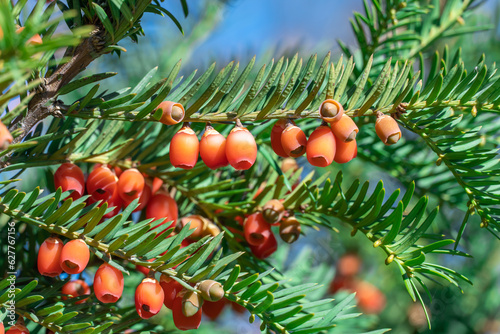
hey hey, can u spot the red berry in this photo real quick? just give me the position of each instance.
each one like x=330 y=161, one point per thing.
x=170 y=290
x=70 y=177
x=130 y=185
x=162 y=206
x=293 y=140
x=265 y=250
x=276 y=132
x=345 y=151
x=18 y=329
x=108 y=284
x=75 y=256
x=345 y=129
x=144 y=199
x=256 y=229
x=238 y=308
x=157 y=183
x=321 y=147
x=241 y=149
x=180 y=320
x=116 y=202
x=101 y=184
x=49 y=257
x=387 y=129
x=76 y=288
x=184 y=148
x=213 y=309
x=148 y=298
x=213 y=148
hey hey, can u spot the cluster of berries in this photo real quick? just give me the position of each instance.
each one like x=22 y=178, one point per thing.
x=370 y=299
x=334 y=140
x=238 y=150
x=257 y=228
x=118 y=188
x=54 y=257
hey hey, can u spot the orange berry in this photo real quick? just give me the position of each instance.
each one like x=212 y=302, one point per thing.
x=70 y=177
x=130 y=185
x=49 y=257
x=75 y=256
x=370 y=299
x=345 y=129
x=18 y=329
x=265 y=250
x=198 y=223
x=170 y=290
x=184 y=148
x=256 y=229
x=349 y=264
x=5 y=137
x=101 y=184
x=148 y=298
x=162 y=206
x=157 y=183
x=213 y=309
x=345 y=151
x=2 y=328
x=331 y=111
x=213 y=148
x=289 y=164
x=294 y=141
x=342 y=283
x=180 y=320
x=241 y=148
x=108 y=284
x=35 y=39
x=76 y=288
x=144 y=198
x=276 y=132
x=387 y=129
x=172 y=112
x=321 y=147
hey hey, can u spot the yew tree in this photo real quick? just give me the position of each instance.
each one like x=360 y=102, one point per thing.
x=106 y=185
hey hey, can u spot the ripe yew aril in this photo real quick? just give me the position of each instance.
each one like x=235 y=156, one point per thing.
x=349 y=264
x=370 y=299
x=130 y=185
x=293 y=140
x=148 y=298
x=172 y=112
x=321 y=147
x=213 y=309
x=108 y=284
x=184 y=148
x=276 y=132
x=157 y=183
x=74 y=289
x=70 y=177
x=289 y=164
x=256 y=229
x=101 y=184
x=170 y=290
x=331 y=111
x=180 y=320
x=213 y=148
x=144 y=198
x=75 y=256
x=241 y=148
x=18 y=329
x=345 y=129
x=265 y=250
x=49 y=257
x=116 y=202
x=345 y=151
x=387 y=129
x=160 y=206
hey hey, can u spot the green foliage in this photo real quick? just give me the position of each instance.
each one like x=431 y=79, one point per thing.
x=448 y=153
